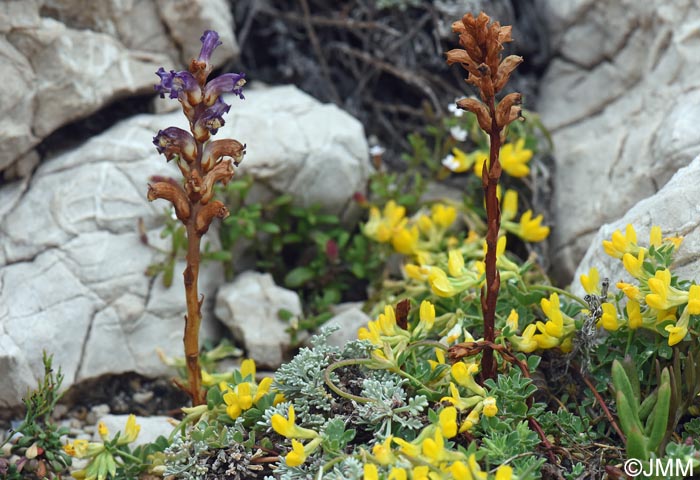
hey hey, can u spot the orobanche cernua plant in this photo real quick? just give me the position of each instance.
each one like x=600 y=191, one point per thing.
x=203 y=162
x=482 y=44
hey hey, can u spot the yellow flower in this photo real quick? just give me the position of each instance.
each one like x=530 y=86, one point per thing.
x=455 y=263
x=590 y=281
x=296 y=456
x=512 y=320
x=370 y=472
x=440 y=284
x=397 y=474
x=490 y=407
x=464 y=375
x=382 y=452
x=531 y=229
x=238 y=400
x=655 y=236
x=504 y=472
x=131 y=431
x=525 y=343
x=440 y=356
x=434 y=448
x=406 y=448
x=381 y=226
x=448 y=422
x=427 y=319
x=102 y=430
x=664 y=296
x=609 y=319
x=634 y=314
x=421 y=472
x=262 y=389
x=480 y=158
x=634 y=265
x=248 y=368
x=509 y=208
x=443 y=215
x=459 y=161
x=405 y=240
x=630 y=291
x=417 y=273
x=471 y=420
x=287 y=428
x=456 y=399
x=621 y=244
x=513 y=158
x=676 y=333
x=694 y=300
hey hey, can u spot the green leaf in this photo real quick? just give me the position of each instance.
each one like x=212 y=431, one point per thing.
x=298 y=277
x=270 y=228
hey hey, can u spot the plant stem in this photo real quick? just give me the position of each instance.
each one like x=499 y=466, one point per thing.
x=489 y=294
x=193 y=319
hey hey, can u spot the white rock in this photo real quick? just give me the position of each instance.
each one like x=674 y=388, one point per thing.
x=151 y=427
x=65 y=60
x=249 y=308
x=675 y=208
x=349 y=317
x=621 y=98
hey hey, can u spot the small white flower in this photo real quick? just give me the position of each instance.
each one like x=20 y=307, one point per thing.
x=450 y=162
x=458 y=133
x=376 y=150
x=454 y=109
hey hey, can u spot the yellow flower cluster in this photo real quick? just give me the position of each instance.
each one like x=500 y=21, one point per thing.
x=428 y=456
x=409 y=236
x=102 y=463
x=652 y=299
x=528 y=228
x=514 y=158
x=557 y=331
x=242 y=396
x=288 y=428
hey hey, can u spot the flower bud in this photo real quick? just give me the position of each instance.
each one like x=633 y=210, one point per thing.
x=172 y=193
x=207 y=214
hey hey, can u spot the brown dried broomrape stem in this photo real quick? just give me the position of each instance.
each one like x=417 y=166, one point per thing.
x=482 y=43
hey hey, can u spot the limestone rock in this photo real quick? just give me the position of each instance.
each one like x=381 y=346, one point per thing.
x=622 y=98
x=675 y=208
x=295 y=144
x=349 y=317
x=250 y=307
x=63 y=60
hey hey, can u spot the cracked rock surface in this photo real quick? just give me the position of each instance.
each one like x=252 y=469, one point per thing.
x=71 y=261
x=65 y=59
x=675 y=208
x=622 y=98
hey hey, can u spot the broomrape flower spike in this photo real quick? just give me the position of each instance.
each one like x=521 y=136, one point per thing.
x=480 y=55
x=203 y=163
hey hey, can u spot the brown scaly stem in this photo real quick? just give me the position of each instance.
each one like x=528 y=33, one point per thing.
x=193 y=319
x=482 y=42
x=489 y=295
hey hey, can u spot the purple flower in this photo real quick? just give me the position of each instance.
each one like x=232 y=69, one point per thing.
x=210 y=40
x=228 y=82
x=211 y=120
x=175 y=141
x=178 y=84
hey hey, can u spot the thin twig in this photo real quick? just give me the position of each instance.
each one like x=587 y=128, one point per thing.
x=319 y=52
